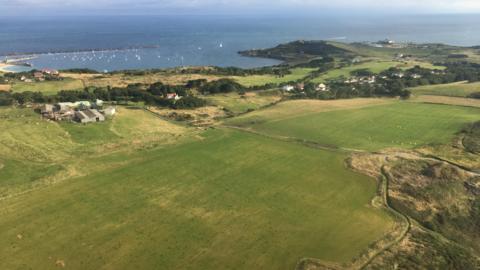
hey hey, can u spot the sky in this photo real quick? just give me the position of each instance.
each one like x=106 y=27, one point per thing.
x=125 y=7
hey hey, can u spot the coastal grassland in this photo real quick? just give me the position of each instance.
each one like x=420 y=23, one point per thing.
x=190 y=206
x=122 y=80
x=433 y=51
x=258 y=80
x=35 y=152
x=375 y=66
x=236 y=103
x=399 y=124
x=457 y=89
x=48 y=87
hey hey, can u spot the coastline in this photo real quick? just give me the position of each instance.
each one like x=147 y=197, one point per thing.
x=96 y=50
x=4 y=67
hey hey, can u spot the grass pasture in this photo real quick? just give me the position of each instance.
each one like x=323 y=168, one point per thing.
x=240 y=104
x=48 y=87
x=258 y=80
x=401 y=124
x=189 y=206
x=34 y=152
x=458 y=89
x=457 y=101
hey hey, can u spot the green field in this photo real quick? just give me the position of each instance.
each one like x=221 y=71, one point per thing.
x=259 y=80
x=373 y=66
x=186 y=205
x=459 y=89
x=240 y=104
x=401 y=124
x=34 y=152
x=48 y=87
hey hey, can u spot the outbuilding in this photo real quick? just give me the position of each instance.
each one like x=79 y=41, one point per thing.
x=89 y=116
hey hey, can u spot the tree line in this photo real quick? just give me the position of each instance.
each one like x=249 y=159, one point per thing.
x=154 y=94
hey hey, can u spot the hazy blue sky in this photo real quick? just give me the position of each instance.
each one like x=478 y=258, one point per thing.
x=12 y=7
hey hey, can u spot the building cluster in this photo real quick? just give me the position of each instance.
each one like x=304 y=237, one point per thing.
x=80 y=111
x=40 y=76
x=301 y=87
x=364 y=79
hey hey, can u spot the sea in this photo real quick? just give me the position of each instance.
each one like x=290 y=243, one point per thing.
x=110 y=43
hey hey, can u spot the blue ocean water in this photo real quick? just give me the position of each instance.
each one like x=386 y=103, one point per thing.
x=207 y=40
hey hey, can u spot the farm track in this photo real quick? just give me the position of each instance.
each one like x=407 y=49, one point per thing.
x=306 y=143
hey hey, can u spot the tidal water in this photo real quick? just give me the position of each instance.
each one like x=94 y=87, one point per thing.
x=139 y=42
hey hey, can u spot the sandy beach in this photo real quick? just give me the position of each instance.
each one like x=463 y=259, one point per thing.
x=5 y=67
x=9 y=67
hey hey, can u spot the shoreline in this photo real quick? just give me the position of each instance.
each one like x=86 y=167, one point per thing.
x=16 y=54
x=3 y=67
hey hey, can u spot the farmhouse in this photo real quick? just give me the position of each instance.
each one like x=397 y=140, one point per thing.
x=89 y=116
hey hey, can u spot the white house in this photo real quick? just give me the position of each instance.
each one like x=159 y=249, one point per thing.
x=288 y=88
x=399 y=75
x=371 y=79
x=321 y=87
x=174 y=96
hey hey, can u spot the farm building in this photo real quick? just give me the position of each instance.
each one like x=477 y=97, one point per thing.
x=82 y=104
x=110 y=111
x=99 y=103
x=46 y=109
x=89 y=116
x=64 y=106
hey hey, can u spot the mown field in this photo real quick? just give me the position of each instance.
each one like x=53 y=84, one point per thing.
x=400 y=124
x=458 y=89
x=138 y=192
x=374 y=66
x=48 y=87
x=258 y=80
x=240 y=104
